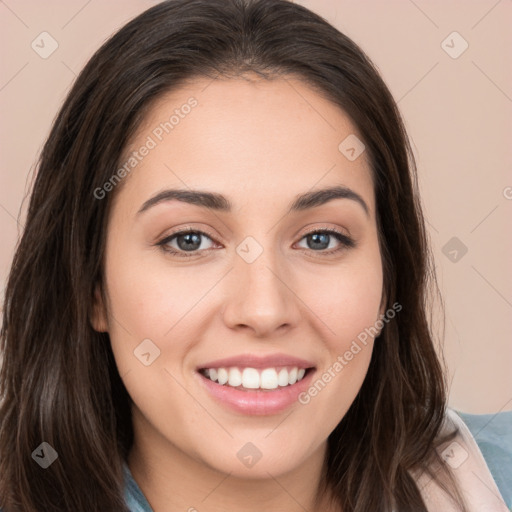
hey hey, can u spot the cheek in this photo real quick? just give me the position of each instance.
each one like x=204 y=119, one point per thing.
x=347 y=300
x=147 y=296
x=148 y=306
x=357 y=303
x=144 y=304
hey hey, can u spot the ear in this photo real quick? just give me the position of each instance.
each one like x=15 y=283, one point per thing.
x=98 y=316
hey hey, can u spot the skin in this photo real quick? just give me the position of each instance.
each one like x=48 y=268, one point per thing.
x=260 y=143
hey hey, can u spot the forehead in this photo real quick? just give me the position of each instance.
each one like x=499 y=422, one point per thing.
x=246 y=138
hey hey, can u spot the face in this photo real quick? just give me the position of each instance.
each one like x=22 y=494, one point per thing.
x=263 y=290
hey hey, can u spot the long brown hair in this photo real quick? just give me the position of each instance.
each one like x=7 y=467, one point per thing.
x=59 y=382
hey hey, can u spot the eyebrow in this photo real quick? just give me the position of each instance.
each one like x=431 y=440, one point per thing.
x=218 y=202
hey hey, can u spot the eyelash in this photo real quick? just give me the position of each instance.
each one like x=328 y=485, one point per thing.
x=345 y=241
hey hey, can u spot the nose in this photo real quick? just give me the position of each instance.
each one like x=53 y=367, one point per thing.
x=260 y=296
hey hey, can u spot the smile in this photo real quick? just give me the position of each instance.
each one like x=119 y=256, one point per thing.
x=236 y=394
x=251 y=378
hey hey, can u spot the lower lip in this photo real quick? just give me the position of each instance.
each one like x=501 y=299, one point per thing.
x=257 y=402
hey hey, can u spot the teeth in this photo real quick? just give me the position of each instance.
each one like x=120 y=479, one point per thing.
x=269 y=379
x=222 y=375
x=235 y=377
x=251 y=378
x=282 y=378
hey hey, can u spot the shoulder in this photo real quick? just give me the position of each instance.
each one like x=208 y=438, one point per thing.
x=493 y=435
x=469 y=468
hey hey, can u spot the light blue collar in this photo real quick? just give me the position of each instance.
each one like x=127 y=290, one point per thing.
x=135 y=500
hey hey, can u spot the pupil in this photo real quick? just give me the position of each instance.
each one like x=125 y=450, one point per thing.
x=192 y=241
x=316 y=240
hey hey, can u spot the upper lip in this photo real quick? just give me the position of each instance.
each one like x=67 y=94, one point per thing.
x=258 y=361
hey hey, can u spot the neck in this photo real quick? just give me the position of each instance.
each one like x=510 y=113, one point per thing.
x=172 y=480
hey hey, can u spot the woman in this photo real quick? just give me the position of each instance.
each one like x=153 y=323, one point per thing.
x=218 y=301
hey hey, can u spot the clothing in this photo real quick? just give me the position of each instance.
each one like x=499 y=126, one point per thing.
x=135 y=500
x=487 y=441
x=493 y=434
x=470 y=470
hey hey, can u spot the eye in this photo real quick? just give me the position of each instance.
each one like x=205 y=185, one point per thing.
x=321 y=239
x=187 y=242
